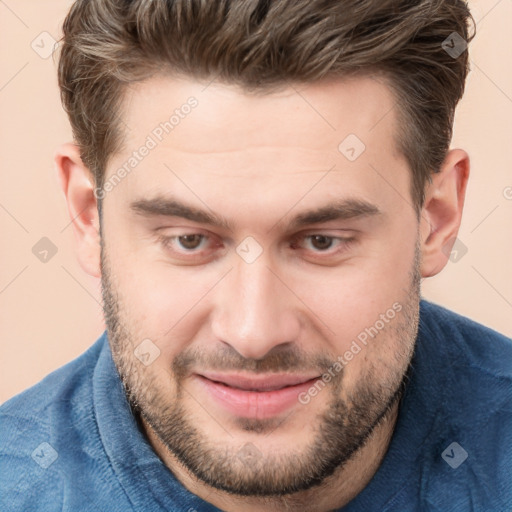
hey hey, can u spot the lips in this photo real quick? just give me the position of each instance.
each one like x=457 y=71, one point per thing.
x=261 y=396
x=260 y=383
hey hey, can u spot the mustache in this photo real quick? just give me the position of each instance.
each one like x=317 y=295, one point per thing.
x=278 y=360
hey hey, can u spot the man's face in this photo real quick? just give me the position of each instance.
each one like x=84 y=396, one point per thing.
x=274 y=342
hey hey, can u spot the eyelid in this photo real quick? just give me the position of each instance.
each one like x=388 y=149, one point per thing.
x=340 y=234
x=343 y=242
x=166 y=240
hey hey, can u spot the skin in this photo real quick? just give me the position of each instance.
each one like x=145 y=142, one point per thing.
x=258 y=161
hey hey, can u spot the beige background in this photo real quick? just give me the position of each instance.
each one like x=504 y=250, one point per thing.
x=51 y=312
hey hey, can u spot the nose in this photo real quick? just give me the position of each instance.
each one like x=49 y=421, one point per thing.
x=254 y=310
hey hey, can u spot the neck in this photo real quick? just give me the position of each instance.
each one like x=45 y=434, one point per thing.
x=335 y=492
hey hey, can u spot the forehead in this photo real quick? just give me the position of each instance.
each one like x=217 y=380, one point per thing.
x=218 y=140
x=226 y=116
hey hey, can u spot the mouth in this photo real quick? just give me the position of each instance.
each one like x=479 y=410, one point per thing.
x=261 y=383
x=259 y=397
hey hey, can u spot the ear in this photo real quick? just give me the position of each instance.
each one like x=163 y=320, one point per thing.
x=77 y=182
x=442 y=211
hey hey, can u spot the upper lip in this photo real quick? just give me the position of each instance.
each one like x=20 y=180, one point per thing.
x=268 y=382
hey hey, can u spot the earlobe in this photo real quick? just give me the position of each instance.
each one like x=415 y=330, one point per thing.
x=77 y=183
x=442 y=211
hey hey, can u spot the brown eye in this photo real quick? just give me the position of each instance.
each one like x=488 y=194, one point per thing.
x=190 y=241
x=321 y=242
x=322 y=245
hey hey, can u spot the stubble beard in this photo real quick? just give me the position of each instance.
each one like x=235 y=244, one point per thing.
x=242 y=469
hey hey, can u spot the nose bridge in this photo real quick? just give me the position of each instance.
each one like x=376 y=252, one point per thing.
x=254 y=310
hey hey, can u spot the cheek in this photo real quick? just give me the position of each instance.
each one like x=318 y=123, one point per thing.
x=351 y=298
x=165 y=304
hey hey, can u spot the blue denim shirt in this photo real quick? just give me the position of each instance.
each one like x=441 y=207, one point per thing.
x=71 y=442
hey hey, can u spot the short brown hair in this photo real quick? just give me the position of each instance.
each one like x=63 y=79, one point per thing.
x=261 y=44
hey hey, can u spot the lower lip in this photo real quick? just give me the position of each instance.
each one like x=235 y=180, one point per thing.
x=254 y=404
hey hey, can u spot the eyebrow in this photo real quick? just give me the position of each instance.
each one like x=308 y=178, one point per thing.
x=171 y=207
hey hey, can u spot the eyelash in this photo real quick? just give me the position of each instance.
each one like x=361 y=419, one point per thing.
x=343 y=242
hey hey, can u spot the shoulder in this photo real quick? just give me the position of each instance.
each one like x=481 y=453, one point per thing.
x=57 y=377
x=56 y=391
x=469 y=449
x=471 y=344
x=46 y=430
